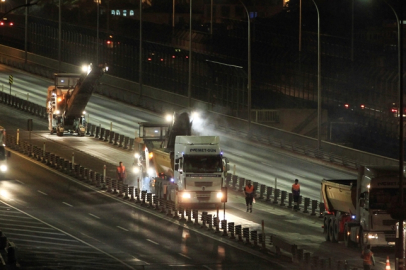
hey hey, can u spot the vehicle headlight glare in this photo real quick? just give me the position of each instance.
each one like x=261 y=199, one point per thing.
x=137 y=156
x=186 y=195
x=136 y=169
x=3 y=168
x=150 y=171
x=219 y=195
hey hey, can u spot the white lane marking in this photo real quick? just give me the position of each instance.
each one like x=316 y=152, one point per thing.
x=299 y=175
x=184 y=256
x=94 y=216
x=19 y=182
x=67 y=204
x=267 y=164
x=43 y=193
x=153 y=242
x=122 y=228
x=205 y=266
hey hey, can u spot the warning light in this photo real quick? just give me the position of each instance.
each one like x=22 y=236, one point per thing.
x=346 y=105
x=362 y=106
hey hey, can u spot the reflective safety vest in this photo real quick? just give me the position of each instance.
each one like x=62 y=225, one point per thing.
x=296 y=189
x=367 y=257
x=249 y=190
x=121 y=171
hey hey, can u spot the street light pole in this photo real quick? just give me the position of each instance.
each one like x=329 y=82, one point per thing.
x=59 y=37
x=97 y=35
x=400 y=253
x=318 y=79
x=140 y=57
x=189 y=89
x=249 y=67
x=26 y=31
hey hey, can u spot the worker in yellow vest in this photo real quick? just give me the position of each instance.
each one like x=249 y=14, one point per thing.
x=249 y=195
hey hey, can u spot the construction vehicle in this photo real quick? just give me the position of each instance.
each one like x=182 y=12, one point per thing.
x=187 y=170
x=357 y=211
x=4 y=155
x=67 y=100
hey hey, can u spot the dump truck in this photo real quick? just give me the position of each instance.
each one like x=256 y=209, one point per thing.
x=187 y=170
x=357 y=211
x=68 y=97
x=4 y=154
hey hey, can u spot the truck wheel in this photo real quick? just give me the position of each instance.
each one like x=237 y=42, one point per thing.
x=347 y=236
x=325 y=228
x=336 y=229
x=331 y=230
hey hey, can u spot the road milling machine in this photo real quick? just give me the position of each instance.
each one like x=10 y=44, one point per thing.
x=187 y=170
x=68 y=97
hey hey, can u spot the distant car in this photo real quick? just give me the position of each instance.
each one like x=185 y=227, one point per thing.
x=6 y=22
x=155 y=57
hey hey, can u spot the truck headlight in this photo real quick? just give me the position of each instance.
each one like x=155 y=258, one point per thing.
x=219 y=195
x=136 y=169
x=373 y=236
x=186 y=195
x=57 y=112
x=3 y=168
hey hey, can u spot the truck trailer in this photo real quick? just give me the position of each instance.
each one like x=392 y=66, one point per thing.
x=188 y=170
x=357 y=211
x=67 y=100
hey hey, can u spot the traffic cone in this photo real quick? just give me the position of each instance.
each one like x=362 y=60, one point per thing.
x=387 y=267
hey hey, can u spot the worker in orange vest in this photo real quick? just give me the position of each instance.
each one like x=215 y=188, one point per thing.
x=249 y=195
x=296 y=194
x=368 y=258
x=121 y=172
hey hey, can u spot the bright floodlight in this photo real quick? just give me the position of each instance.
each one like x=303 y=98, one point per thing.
x=86 y=69
x=137 y=156
x=195 y=115
x=3 y=168
x=84 y=112
x=168 y=117
x=136 y=169
x=150 y=171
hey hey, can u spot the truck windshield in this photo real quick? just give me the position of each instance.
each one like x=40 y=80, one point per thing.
x=2 y=153
x=200 y=164
x=384 y=198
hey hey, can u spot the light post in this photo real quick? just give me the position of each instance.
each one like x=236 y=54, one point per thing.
x=97 y=34
x=400 y=253
x=249 y=67
x=140 y=57
x=318 y=79
x=189 y=89
x=26 y=31
x=59 y=36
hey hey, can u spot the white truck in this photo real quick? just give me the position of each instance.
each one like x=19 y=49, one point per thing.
x=357 y=211
x=4 y=154
x=190 y=170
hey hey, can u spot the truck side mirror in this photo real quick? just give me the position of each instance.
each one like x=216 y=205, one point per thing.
x=176 y=161
x=176 y=166
x=362 y=202
x=226 y=160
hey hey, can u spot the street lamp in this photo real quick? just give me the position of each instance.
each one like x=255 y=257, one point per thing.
x=97 y=30
x=140 y=57
x=189 y=89
x=400 y=254
x=318 y=79
x=249 y=67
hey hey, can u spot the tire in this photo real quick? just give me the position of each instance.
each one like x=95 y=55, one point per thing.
x=331 y=230
x=325 y=228
x=336 y=229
